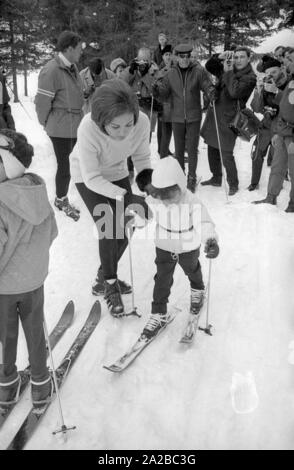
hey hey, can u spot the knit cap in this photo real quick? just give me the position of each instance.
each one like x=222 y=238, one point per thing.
x=16 y=153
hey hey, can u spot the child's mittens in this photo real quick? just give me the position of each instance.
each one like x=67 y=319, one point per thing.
x=211 y=248
x=143 y=179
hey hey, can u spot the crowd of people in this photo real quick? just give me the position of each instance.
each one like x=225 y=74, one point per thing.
x=100 y=123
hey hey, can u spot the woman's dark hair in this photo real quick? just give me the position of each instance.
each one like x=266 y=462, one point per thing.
x=67 y=39
x=113 y=98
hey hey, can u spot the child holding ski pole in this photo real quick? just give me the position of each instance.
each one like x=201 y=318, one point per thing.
x=27 y=229
x=182 y=223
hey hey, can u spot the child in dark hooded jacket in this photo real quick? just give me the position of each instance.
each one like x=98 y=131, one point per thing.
x=27 y=229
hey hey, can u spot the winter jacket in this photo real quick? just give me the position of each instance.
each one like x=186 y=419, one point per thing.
x=179 y=227
x=166 y=104
x=6 y=119
x=27 y=229
x=185 y=96
x=97 y=159
x=89 y=85
x=59 y=99
x=142 y=87
x=233 y=87
x=285 y=123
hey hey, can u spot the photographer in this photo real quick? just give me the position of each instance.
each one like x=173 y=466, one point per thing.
x=264 y=102
x=140 y=75
x=92 y=77
x=235 y=82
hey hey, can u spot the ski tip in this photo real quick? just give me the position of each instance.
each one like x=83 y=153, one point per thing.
x=185 y=341
x=112 y=368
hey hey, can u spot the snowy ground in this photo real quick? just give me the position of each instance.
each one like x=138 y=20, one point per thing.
x=230 y=391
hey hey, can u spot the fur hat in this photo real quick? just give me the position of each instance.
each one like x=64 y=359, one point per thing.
x=272 y=62
x=167 y=48
x=116 y=63
x=16 y=153
x=266 y=62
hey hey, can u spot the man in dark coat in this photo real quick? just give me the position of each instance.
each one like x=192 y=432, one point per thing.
x=182 y=86
x=6 y=119
x=236 y=81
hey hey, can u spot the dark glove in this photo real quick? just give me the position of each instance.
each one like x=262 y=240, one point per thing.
x=143 y=179
x=137 y=204
x=133 y=66
x=211 y=248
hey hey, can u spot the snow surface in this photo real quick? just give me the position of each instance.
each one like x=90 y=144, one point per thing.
x=233 y=390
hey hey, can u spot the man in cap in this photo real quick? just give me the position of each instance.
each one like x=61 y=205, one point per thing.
x=182 y=86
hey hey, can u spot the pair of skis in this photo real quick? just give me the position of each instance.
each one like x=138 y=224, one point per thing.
x=142 y=342
x=32 y=419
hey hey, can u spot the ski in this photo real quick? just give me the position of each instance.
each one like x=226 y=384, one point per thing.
x=56 y=334
x=142 y=342
x=34 y=416
x=190 y=329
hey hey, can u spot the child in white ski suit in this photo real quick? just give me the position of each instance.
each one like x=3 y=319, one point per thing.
x=182 y=223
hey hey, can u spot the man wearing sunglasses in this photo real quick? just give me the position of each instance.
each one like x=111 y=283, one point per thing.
x=182 y=86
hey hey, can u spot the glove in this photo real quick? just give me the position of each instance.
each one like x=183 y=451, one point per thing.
x=133 y=66
x=138 y=205
x=143 y=179
x=211 y=248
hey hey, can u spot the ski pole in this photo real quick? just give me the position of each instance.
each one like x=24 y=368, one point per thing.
x=63 y=428
x=208 y=327
x=220 y=150
x=151 y=115
x=134 y=309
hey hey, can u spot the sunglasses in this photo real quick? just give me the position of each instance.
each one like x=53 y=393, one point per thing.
x=184 y=56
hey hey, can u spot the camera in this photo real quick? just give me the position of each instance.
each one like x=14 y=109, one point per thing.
x=268 y=79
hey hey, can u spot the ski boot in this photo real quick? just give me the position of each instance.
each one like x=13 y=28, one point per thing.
x=253 y=186
x=290 y=207
x=214 y=181
x=41 y=394
x=191 y=183
x=99 y=287
x=197 y=300
x=113 y=299
x=63 y=205
x=9 y=393
x=154 y=324
x=270 y=199
x=233 y=190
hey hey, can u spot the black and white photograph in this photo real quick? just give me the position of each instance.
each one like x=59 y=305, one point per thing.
x=146 y=227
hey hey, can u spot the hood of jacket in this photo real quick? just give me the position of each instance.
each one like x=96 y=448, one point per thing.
x=168 y=172
x=26 y=197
